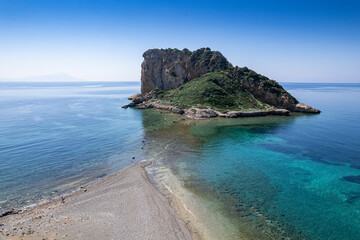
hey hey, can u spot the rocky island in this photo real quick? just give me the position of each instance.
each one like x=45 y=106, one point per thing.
x=204 y=84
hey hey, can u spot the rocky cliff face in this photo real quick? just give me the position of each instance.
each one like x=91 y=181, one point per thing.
x=170 y=68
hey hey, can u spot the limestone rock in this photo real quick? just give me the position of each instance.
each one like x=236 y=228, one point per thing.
x=300 y=107
x=139 y=99
x=197 y=113
x=134 y=96
x=170 y=68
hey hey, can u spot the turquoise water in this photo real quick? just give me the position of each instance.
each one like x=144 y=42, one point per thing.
x=301 y=174
x=55 y=137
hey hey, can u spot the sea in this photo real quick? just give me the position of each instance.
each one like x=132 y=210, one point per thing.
x=294 y=177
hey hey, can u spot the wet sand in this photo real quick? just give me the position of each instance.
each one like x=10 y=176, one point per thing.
x=122 y=206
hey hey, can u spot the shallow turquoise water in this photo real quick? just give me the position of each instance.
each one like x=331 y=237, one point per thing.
x=300 y=172
x=56 y=136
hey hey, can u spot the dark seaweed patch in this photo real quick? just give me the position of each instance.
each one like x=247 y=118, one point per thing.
x=353 y=179
x=355 y=166
x=353 y=197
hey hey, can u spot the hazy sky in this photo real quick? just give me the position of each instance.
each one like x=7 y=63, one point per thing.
x=288 y=40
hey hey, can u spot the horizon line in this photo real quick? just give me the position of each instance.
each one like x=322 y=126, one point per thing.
x=139 y=81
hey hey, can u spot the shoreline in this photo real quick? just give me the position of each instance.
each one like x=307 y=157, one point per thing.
x=196 y=113
x=124 y=205
x=206 y=113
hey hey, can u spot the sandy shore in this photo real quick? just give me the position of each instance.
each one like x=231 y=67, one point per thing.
x=122 y=206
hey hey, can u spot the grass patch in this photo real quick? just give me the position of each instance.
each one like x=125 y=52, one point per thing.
x=218 y=90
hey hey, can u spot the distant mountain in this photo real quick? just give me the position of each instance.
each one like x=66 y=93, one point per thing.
x=58 y=77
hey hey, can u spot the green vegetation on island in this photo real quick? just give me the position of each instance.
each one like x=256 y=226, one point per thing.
x=216 y=90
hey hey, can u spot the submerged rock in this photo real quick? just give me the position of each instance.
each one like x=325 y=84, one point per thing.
x=353 y=179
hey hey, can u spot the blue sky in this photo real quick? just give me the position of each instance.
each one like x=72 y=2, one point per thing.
x=289 y=41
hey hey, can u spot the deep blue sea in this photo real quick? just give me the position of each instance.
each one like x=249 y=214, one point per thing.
x=301 y=173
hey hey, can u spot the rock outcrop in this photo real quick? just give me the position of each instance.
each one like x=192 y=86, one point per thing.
x=264 y=89
x=304 y=108
x=171 y=68
x=203 y=84
x=132 y=97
